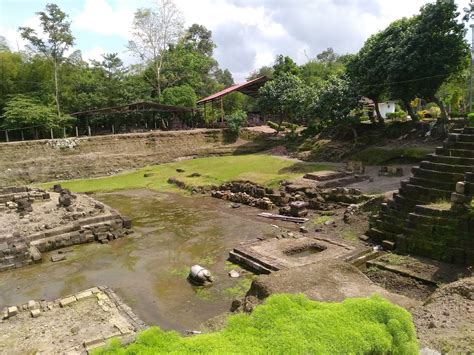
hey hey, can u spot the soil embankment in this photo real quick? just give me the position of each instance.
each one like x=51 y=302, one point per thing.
x=60 y=159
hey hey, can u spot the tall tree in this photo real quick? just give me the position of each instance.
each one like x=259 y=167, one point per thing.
x=153 y=31
x=59 y=40
x=285 y=65
x=4 y=44
x=199 y=38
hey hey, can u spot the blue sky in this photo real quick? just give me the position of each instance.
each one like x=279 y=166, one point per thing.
x=248 y=33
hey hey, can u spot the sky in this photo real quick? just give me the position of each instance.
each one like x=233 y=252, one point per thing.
x=248 y=33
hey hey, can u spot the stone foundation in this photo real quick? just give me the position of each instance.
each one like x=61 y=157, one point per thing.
x=26 y=237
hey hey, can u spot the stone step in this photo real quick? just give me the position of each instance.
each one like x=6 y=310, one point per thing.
x=378 y=235
x=467 y=138
x=452 y=152
x=460 y=145
x=408 y=204
x=468 y=130
x=447 y=168
x=437 y=175
x=432 y=211
x=424 y=219
x=450 y=160
x=386 y=226
x=248 y=263
x=425 y=194
x=433 y=184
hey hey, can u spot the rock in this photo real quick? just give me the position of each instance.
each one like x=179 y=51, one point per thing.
x=57 y=257
x=32 y=305
x=234 y=274
x=148 y=175
x=235 y=205
x=35 y=313
x=235 y=305
x=304 y=230
x=180 y=170
x=57 y=188
x=199 y=275
x=67 y=301
x=388 y=245
x=194 y=175
x=12 y=311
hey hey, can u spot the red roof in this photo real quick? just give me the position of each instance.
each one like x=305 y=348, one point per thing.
x=248 y=88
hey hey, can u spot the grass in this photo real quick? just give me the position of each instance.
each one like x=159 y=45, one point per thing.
x=240 y=288
x=322 y=219
x=293 y=324
x=261 y=169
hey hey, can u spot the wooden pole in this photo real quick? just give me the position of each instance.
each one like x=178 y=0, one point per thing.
x=6 y=136
x=222 y=109
x=89 y=131
x=64 y=132
x=113 y=129
x=52 y=135
x=77 y=132
x=22 y=135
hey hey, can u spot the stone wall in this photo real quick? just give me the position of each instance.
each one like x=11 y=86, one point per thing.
x=46 y=160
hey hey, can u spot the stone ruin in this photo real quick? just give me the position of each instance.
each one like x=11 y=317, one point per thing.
x=415 y=221
x=23 y=241
x=291 y=199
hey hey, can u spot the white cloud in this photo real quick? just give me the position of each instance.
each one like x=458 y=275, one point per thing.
x=93 y=54
x=99 y=17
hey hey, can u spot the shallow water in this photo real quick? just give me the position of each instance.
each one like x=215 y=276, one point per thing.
x=148 y=269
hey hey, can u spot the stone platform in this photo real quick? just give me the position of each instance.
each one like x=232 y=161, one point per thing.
x=267 y=256
x=429 y=216
x=33 y=221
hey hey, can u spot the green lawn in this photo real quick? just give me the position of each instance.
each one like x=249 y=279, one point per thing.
x=293 y=324
x=262 y=169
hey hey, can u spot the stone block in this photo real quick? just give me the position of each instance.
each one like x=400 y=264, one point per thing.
x=32 y=305
x=388 y=245
x=12 y=311
x=460 y=187
x=35 y=254
x=35 y=313
x=84 y=294
x=67 y=301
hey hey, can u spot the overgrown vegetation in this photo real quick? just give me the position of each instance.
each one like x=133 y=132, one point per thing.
x=262 y=169
x=292 y=324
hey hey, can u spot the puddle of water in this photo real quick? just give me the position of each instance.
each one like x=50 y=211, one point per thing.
x=148 y=269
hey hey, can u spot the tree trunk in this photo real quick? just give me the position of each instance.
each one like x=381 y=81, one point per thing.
x=158 y=77
x=444 y=114
x=410 y=110
x=377 y=111
x=56 y=86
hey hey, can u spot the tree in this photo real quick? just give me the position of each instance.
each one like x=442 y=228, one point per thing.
x=285 y=65
x=59 y=40
x=224 y=77
x=263 y=71
x=153 y=31
x=199 y=38
x=4 y=45
x=22 y=111
x=335 y=99
x=179 y=96
x=285 y=96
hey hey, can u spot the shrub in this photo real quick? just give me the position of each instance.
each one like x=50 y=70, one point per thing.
x=397 y=115
x=470 y=119
x=434 y=111
x=457 y=114
x=293 y=324
x=236 y=120
x=275 y=126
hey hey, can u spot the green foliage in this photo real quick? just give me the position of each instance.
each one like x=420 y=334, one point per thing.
x=470 y=119
x=236 y=120
x=179 y=96
x=286 y=96
x=275 y=126
x=293 y=324
x=336 y=99
x=21 y=111
x=397 y=115
x=285 y=65
x=379 y=156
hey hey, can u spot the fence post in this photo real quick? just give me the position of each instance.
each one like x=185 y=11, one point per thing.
x=64 y=132
x=6 y=136
x=113 y=129
x=77 y=132
x=52 y=135
x=22 y=136
x=89 y=131
x=146 y=125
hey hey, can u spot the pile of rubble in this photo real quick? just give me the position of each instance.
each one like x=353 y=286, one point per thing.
x=292 y=199
x=33 y=221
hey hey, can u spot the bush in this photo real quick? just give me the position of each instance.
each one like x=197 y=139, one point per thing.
x=236 y=120
x=275 y=126
x=434 y=111
x=470 y=119
x=293 y=324
x=457 y=114
x=397 y=115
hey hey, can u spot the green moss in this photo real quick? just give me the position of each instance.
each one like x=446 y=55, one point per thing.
x=292 y=324
x=379 y=156
x=240 y=288
x=349 y=234
x=261 y=169
x=322 y=219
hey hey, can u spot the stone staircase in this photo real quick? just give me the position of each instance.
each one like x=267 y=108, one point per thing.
x=418 y=221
